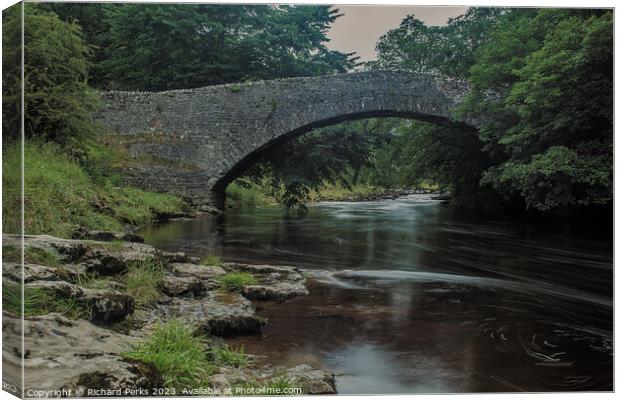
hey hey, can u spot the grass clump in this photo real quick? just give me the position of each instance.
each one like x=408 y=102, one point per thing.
x=143 y=280
x=235 y=281
x=91 y=281
x=212 y=261
x=227 y=356
x=177 y=354
x=33 y=255
x=38 y=301
x=139 y=207
x=281 y=385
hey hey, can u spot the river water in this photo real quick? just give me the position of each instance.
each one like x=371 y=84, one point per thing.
x=408 y=297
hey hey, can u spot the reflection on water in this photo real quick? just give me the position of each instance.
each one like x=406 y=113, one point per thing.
x=408 y=298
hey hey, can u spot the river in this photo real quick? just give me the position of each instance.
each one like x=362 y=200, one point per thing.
x=409 y=297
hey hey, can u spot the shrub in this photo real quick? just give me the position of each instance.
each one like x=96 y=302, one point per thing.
x=177 y=354
x=235 y=281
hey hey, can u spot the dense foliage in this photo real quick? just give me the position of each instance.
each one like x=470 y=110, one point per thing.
x=551 y=120
x=57 y=99
x=172 y=46
x=542 y=86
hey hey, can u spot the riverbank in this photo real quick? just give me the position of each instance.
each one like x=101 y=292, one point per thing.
x=243 y=193
x=63 y=196
x=107 y=315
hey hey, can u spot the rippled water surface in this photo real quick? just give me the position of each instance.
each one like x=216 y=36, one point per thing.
x=406 y=297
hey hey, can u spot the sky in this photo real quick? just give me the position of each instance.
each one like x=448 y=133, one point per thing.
x=359 y=29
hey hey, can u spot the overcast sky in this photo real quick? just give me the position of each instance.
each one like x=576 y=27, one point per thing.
x=359 y=29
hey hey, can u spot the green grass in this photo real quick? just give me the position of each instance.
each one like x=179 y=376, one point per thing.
x=177 y=354
x=212 y=261
x=143 y=281
x=244 y=193
x=235 y=281
x=90 y=281
x=62 y=194
x=115 y=245
x=280 y=384
x=38 y=301
x=227 y=356
x=33 y=255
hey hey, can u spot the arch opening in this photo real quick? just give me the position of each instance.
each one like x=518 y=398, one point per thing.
x=254 y=156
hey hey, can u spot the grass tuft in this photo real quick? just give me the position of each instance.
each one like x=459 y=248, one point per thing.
x=177 y=354
x=143 y=281
x=281 y=385
x=91 y=281
x=212 y=261
x=227 y=356
x=33 y=255
x=235 y=281
x=38 y=301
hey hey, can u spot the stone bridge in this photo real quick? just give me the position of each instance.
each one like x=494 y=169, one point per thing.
x=194 y=142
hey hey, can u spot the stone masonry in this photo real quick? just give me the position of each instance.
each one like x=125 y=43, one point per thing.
x=199 y=140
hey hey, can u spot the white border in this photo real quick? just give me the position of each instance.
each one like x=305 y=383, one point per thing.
x=500 y=3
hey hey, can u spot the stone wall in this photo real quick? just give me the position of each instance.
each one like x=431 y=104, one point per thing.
x=199 y=140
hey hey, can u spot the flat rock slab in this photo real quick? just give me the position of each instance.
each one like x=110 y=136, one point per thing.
x=309 y=380
x=104 y=306
x=102 y=258
x=74 y=355
x=218 y=313
x=275 y=282
x=182 y=285
x=205 y=272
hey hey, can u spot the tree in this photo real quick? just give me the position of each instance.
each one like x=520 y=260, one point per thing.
x=57 y=100
x=551 y=116
x=335 y=154
x=168 y=46
x=448 y=50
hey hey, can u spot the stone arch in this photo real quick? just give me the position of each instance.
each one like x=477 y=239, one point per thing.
x=201 y=139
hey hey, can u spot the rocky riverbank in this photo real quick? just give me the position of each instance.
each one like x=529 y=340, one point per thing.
x=101 y=299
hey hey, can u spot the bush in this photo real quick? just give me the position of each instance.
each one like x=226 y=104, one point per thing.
x=58 y=101
x=177 y=354
x=235 y=281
